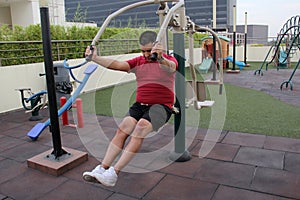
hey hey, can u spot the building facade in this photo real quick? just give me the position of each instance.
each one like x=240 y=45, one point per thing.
x=25 y=12
x=200 y=11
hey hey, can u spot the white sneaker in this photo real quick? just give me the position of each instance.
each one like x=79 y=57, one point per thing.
x=90 y=176
x=107 y=178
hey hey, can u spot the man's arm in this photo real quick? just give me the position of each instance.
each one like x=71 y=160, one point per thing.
x=165 y=63
x=107 y=62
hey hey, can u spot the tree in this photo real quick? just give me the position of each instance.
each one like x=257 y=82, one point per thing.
x=80 y=14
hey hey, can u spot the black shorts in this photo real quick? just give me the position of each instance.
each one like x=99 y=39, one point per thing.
x=157 y=114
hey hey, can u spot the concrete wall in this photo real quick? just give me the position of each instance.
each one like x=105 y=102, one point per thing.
x=30 y=8
x=27 y=76
x=5 y=17
x=25 y=12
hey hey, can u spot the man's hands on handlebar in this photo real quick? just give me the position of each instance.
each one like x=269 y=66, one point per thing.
x=157 y=51
x=90 y=52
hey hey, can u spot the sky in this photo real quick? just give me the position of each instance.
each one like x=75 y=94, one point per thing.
x=274 y=13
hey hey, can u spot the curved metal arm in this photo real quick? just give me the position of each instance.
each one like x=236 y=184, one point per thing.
x=167 y=19
x=66 y=65
x=279 y=42
x=113 y=15
x=120 y=11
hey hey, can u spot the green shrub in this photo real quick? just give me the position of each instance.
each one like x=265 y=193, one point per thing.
x=68 y=42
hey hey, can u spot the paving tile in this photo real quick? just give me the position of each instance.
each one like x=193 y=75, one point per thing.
x=24 y=151
x=244 y=139
x=45 y=138
x=76 y=173
x=10 y=169
x=137 y=185
x=117 y=196
x=231 y=193
x=110 y=122
x=9 y=125
x=207 y=134
x=260 y=157
x=7 y=142
x=68 y=129
x=186 y=169
x=216 y=151
x=277 y=182
x=71 y=141
x=282 y=144
x=18 y=132
x=173 y=187
x=158 y=141
x=226 y=173
x=30 y=185
x=292 y=162
x=90 y=133
x=77 y=191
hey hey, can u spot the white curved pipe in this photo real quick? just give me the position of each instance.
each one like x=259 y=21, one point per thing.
x=120 y=11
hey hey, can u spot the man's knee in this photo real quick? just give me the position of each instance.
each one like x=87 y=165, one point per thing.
x=127 y=125
x=142 y=128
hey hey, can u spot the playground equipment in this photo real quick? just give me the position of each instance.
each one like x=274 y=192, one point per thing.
x=288 y=37
x=38 y=128
x=208 y=50
x=286 y=83
x=238 y=63
x=37 y=102
x=285 y=46
x=205 y=65
x=282 y=60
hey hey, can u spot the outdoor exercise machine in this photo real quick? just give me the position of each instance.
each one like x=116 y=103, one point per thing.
x=34 y=103
x=78 y=106
x=180 y=24
x=38 y=128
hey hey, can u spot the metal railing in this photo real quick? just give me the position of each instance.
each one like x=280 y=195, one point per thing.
x=25 y=52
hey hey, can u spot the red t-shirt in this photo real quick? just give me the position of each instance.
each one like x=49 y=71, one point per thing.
x=155 y=85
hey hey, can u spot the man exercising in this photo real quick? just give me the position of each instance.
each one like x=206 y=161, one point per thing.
x=155 y=75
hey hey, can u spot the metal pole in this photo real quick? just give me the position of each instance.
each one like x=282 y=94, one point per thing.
x=181 y=154
x=48 y=61
x=234 y=36
x=245 y=43
x=214 y=40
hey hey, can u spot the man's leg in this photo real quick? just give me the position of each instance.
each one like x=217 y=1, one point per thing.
x=114 y=148
x=158 y=116
x=116 y=145
x=142 y=129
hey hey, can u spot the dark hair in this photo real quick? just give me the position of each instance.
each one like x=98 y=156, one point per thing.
x=147 y=37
